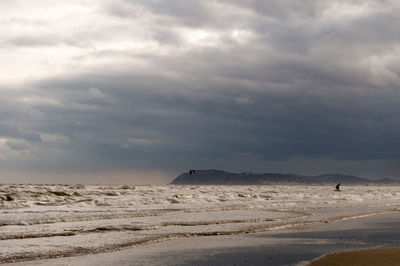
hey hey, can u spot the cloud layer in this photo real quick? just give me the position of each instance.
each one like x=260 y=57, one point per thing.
x=134 y=86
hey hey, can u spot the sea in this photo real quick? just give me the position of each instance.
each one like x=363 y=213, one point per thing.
x=51 y=221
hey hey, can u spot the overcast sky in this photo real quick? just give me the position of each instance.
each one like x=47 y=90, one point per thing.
x=124 y=91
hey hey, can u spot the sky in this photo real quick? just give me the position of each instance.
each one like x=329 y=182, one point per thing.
x=124 y=91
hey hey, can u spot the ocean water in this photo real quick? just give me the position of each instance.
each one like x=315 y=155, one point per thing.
x=48 y=221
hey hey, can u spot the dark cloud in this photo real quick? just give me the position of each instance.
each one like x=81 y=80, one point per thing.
x=204 y=118
x=283 y=10
x=190 y=13
x=301 y=89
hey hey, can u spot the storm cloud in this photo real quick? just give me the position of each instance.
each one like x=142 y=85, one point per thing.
x=123 y=88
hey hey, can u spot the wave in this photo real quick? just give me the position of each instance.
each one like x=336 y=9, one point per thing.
x=51 y=221
x=77 y=251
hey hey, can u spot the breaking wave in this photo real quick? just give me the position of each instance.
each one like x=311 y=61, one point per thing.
x=47 y=221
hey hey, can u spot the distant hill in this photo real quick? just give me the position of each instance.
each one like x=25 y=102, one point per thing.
x=218 y=177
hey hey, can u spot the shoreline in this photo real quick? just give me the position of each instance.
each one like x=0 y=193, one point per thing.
x=300 y=244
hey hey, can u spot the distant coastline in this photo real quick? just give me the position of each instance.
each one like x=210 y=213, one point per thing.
x=219 y=177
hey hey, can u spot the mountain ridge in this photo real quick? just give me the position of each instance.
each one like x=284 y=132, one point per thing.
x=220 y=177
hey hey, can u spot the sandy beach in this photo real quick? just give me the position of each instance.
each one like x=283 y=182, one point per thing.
x=376 y=257
x=295 y=246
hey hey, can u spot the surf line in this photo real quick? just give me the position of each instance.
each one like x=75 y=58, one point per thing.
x=73 y=252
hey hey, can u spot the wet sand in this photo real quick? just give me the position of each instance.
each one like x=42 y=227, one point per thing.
x=377 y=257
x=296 y=246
